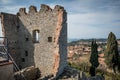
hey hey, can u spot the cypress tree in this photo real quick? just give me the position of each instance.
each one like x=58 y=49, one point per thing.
x=94 y=57
x=112 y=55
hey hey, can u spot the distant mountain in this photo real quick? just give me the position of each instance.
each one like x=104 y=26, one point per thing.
x=75 y=41
x=70 y=40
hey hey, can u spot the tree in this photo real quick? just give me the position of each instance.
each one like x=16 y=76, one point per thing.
x=94 y=57
x=112 y=55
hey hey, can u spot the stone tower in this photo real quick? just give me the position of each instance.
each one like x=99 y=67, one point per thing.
x=38 y=38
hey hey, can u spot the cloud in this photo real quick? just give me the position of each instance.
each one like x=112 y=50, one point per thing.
x=84 y=6
x=11 y=9
x=93 y=25
x=86 y=18
x=10 y=6
x=92 y=18
x=5 y=1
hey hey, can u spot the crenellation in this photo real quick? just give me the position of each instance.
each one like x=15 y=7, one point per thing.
x=58 y=8
x=42 y=34
x=22 y=11
x=45 y=8
x=32 y=9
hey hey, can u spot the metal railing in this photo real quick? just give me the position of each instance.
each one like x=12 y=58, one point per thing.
x=3 y=49
x=5 y=56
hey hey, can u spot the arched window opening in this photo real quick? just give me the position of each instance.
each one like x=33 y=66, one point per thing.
x=36 y=36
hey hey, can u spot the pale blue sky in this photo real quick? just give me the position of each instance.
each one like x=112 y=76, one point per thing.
x=86 y=18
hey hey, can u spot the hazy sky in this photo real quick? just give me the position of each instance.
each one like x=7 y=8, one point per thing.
x=86 y=18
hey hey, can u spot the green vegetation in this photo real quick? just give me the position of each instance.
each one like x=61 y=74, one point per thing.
x=112 y=55
x=108 y=75
x=85 y=67
x=88 y=63
x=94 y=58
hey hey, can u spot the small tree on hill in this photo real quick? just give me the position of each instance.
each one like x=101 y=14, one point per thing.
x=112 y=55
x=94 y=58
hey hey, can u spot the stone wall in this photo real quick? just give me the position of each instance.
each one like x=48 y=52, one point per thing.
x=49 y=54
x=62 y=40
x=50 y=57
x=9 y=30
x=6 y=71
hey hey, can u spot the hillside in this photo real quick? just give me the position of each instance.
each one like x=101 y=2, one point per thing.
x=75 y=41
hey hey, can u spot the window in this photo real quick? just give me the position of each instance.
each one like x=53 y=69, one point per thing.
x=26 y=38
x=23 y=59
x=36 y=36
x=49 y=39
x=26 y=53
x=17 y=28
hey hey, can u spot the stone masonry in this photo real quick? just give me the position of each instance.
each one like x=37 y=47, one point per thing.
x=38 y=38
x=6 y=71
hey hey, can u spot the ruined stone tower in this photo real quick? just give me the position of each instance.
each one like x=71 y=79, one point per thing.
x=37 y=38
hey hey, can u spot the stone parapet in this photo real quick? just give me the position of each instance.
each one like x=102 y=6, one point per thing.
x=44 y=8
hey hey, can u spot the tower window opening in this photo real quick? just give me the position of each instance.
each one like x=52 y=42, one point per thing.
x=26 y=53
x=23 y=59
x=36 y=36
x=49 y=39
x=26 y=38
